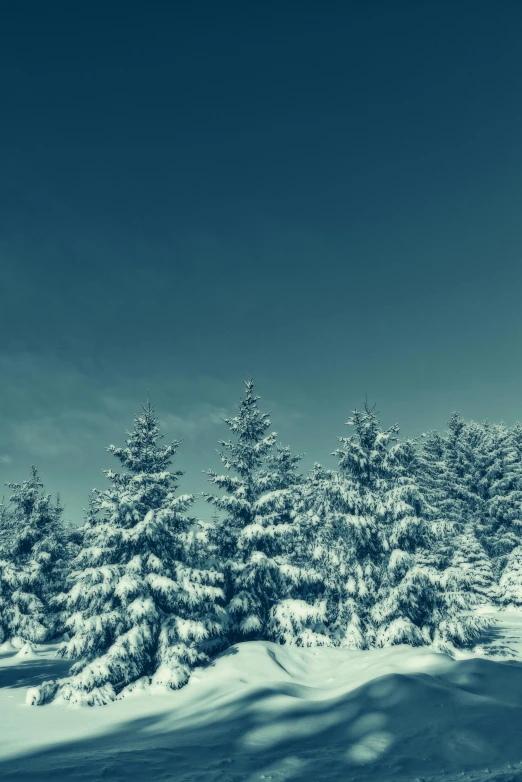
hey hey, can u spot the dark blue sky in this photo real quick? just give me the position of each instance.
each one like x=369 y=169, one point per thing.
x=324 y=196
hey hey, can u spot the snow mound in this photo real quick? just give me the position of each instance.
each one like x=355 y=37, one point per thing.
x=27 y=651
x=17 y=642
x=7 y=647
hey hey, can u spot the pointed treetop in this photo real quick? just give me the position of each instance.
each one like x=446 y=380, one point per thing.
x=250 y=424
x=142 y=453
x=456 y=424
x=26 y=494
x=367 y=427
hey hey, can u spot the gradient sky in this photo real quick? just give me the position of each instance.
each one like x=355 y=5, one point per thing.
x=324 y=196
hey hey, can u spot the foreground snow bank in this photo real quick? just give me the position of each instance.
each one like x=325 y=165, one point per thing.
x=280 y=713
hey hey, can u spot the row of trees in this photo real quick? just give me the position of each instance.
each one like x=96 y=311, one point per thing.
x=396 y=545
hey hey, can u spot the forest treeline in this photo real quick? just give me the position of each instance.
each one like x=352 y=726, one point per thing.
x=398 y=544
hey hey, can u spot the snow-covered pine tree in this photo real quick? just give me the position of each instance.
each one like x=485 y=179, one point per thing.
x=413 y=604
x=433 y=477
x=6 y=527
x=4 y=602
x=253 y=537
x=470 y=557
x=463 y=474
x=336 y=540
x=297 y=616
x=5 y=536
x=31 y=569
x=453 y=511
x=500 y=528
x=390 y=500
x=510 y=586
x=139 y=610
x=73 y=537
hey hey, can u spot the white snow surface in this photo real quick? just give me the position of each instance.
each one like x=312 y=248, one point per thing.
x=263 y=711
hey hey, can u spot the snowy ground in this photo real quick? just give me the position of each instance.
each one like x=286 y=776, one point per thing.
x=262 y=711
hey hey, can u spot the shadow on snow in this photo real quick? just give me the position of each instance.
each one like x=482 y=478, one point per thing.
x=31 y=673
x=394 y=727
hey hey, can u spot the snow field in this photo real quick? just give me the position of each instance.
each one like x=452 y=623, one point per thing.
x=264 y=711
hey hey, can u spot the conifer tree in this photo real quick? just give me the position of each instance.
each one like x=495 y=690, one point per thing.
x=462 y=446
x=6 y=527
x=337 y=539
x=471 y=558
x=30 y=569
x=299 y=613
x=4 y=597
x=510 y=586
x=5 y=537
x=412 y=604
x=402 y=598
x=500 y=528
x=254 y=534
x=140 y=612
x=484 y=487
x=434 y=479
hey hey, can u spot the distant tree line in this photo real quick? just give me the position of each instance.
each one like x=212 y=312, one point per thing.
x=397 y=545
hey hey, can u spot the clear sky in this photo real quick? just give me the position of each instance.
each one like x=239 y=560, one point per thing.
x=326 y=196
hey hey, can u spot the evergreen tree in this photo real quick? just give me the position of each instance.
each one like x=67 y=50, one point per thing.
x=6 y=527
x=298 y=614
x=140 y=610
x=402 y=599
x=31 y=569
x=471 y=558
x=485 y=487
x=500 y=527
x=510 y=586
x=453 y=474
x=442 y=512
x=336 y=541
x=5 y=537
x=413 y=604
x=462 y=447
x=255 y=535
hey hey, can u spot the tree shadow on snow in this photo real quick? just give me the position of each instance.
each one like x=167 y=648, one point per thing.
x=495 y=641
x=395 y=727
x=30 y=673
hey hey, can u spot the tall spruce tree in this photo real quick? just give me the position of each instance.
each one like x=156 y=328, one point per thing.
x=6 y=531
x=6 y=527
x=452 y=473
x=140 y=610
x=298 y=615
x=462 y=445
x=255 y=534
x=413 y=604
x=337 y=539
x=500 y=528
x=434 y=479
x=402 y=596
x=31 y=567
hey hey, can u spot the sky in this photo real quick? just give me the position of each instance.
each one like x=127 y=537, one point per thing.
x=324 y=196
